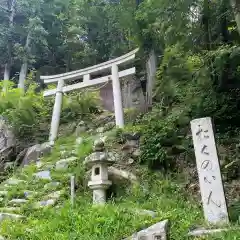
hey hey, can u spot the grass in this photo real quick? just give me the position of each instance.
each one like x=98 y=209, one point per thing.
x=115 y=221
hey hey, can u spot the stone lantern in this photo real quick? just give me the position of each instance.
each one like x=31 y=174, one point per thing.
x=99 y=163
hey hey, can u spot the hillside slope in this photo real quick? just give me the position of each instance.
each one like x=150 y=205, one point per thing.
x=44 y=211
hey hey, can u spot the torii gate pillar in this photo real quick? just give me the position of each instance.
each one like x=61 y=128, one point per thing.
x=56 y=113
x=117 y=97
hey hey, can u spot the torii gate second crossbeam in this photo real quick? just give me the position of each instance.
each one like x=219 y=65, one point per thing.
x=86 y=73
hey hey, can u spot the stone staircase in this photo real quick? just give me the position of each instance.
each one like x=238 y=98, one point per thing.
x=45 y=183
x=39 y=190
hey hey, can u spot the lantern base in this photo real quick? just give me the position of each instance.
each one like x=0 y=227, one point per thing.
x=99 y=196
x=99 y=190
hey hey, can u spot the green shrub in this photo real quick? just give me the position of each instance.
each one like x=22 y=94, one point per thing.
x=185 y=90
x=30 y=113
x=27 y=113
x=163 y=138
x=79 y=105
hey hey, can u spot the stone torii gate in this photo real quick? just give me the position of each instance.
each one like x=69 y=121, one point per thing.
x=87 y=74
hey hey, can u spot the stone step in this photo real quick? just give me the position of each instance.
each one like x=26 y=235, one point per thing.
x=55 y=195
x=45 y=203
x=52 y=185
x=202 y=231
x=10 y=209
x=63 y=164
x=49 y=200
x=17 y=202
x=12 y=182
x=45 y=175
x=10 y=216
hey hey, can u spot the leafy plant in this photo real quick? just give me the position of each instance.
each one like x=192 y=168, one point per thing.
x=163 y=139
x=78 y=105
x=25 y=112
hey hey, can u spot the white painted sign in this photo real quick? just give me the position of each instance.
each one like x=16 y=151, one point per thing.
x=210 y=180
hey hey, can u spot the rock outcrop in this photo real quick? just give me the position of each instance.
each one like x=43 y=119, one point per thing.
x=7 y=140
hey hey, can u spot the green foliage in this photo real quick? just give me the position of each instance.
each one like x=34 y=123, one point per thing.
x=118 y=219
x=27 y=113
x=163 y=138
x=187 y=88
x=79 y=105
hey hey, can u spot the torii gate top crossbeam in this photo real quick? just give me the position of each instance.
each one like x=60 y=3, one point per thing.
x=90 y=83
x=93 y=69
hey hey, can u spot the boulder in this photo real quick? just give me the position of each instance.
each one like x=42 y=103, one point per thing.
x=35 y=152
x=7 y=139
x=20 y=156
x=156 y=231
x=121 y=174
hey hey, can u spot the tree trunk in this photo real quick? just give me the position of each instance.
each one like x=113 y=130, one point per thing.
x=24 y=67
x=206 y=24
x=22 y=75
x=7 y=72
x=236 y=9
x=224 y=21
x=8 y=64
